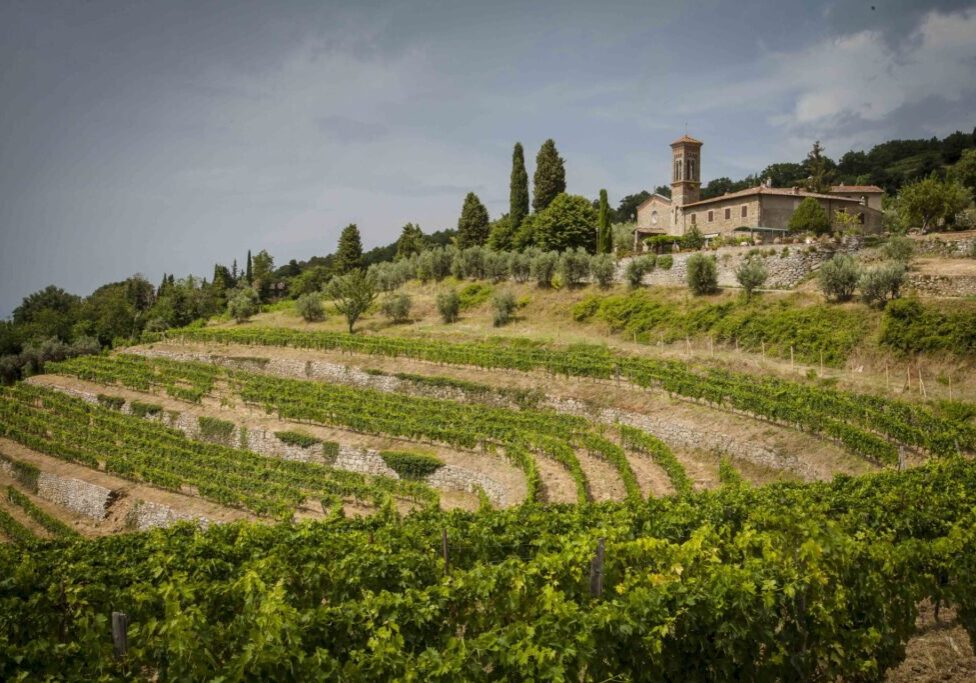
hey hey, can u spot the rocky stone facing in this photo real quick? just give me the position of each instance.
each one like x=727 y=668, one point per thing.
x=148 y=515
x=78 y=496
x=942 y=285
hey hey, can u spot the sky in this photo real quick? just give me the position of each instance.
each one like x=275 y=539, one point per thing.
x=152 y=137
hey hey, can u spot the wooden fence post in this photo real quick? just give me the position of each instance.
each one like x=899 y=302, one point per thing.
x=120 y=636
x=596 y=569
x=444 y=549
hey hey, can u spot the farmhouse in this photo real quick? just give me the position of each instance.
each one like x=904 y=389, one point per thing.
x=762 y=211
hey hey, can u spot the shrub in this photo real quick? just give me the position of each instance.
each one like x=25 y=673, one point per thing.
x=141 y=409
x=449 y=305
x=474 y=294
x=665 y=261
x=702 y=274
x=309 y=307
x=574 y=267
x=353 y=294
x=298 y=439
x=434 y=264
x=496 y=266
x=838 y=277
x=751 y=274
x=603 y=267
x=469 y=263
x=396 y=307
x=243 y=304
x=111 y=402
x=637 y=267
x=810 y=217
x=882 y=283
x=693 y=239
x=213 y=429
x=504 y=304
x=910 y=326
x=899 y=248
x=520 y=266
x=544 y=267
x=411 y=465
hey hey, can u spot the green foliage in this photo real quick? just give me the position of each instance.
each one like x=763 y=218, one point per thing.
x=262 y=274
x=501 y=234
x=751 y=274
x=111 y=402
x=299 y=439
x=810 y=217
x=410 y=243
x=349 y=254
x=931 y=202
x=637 y=267
x=504 y=306
x=142 y=409
x=310 y=308
x=568 y=222
x=520 y=266
x=23 y=472
x=397 y=307
x=353 y=294
x=882 y=283
x=474 y=295
x=693 y=239
x=574 y=267
x=472 y=227
x=243 y=304
x=55 y=526
x=839 y=277
x=702 y=274
x=434 y=264
x=518 y=191
x=665 y=261
x=899 y=248
x=603 y=267
x=214 y=429
x=964 y=171
x=449 y=305
x=543 y=267
x=13 y=530
x=727 y=474
x=819 y=170
x=496 y=266
x=550 y=177
x=411 y=465
x=604 y=238
x=658 y=450
x=910 y=326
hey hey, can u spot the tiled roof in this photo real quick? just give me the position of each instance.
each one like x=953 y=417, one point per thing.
x=778 y=191
x=856 y=188
x=687 y=138
x=648 y=200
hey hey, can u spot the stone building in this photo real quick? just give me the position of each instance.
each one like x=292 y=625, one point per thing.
x=761 y=211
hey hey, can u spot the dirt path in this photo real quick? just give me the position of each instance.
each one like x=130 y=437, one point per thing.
x=228 y=407
x=653 y=481
x=557 y=485
x=603 y=479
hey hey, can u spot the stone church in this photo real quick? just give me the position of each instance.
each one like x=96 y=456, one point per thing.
x=761 y=211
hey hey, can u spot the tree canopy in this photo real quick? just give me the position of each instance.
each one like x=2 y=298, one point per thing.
x=349 y=255
x=568 y=222
x=473 y=223
x=518 y=193
x=550 y=176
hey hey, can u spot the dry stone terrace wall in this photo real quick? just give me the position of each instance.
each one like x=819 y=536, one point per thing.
x=942 y=285
x=785 y=272
x=364 y=461
x=90 y=500
x=148 y=515
x=671 y=429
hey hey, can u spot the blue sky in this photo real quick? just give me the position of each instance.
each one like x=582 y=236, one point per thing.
x=166 y=136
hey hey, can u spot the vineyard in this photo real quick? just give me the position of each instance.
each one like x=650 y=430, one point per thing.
x=720 y=581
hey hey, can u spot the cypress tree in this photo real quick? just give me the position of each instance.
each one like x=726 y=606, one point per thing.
x=473 y=223
x=349 y=255
x=248 y=275
x=518 y=193
x=604 y=243
x=550 y=176
x=233 y=272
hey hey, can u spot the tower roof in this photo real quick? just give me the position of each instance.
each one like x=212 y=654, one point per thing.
x=686 y=139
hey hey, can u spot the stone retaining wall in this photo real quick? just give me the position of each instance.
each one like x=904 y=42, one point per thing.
x=147 y=515
x=76 y=495
x=939 y=246
x=941 y=285
x=785 y=271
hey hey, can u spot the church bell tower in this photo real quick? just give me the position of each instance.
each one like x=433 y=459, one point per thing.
x=686 y=170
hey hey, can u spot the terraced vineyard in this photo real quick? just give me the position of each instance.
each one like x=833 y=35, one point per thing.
x=358 y=568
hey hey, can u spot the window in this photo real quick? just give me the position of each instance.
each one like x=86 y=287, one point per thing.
x=692 y=219
x=691 y=169
x=728 y=213
x=711 y=216
x=860 y=218
x=653 y=217
x=677 y=170
x=745 y=210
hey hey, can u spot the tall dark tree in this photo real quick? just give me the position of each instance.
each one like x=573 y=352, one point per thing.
x=411 y=241
x=604 y=239
x=248 y=273
x=473 y=223
x=550 y=176
x=349 y=255
x=818 y=168
x=518 y=189
x=627 y=209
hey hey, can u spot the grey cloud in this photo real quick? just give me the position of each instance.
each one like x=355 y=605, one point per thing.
x=343 y=129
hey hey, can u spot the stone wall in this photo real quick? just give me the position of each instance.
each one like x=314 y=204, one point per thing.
x=942 y=285
x=78 y=496
x=785 y=272
x=147 y=515
x=940 y=246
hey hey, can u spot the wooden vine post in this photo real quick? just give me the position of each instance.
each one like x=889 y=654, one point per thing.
x=596 y=569
x=447 y=561
x=120 y=636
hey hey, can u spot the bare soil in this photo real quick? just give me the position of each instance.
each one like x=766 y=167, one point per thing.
x=941 y=651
